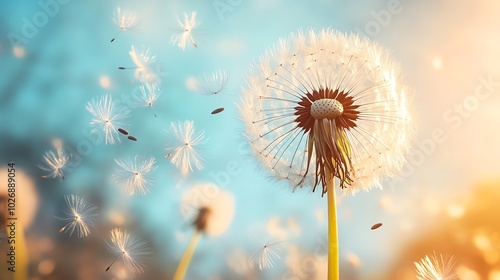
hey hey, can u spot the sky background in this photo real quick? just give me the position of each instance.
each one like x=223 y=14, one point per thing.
x=447 y=51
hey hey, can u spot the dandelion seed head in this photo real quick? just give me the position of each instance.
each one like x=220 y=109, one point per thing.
x=435 y=267
x=78 y=216
x=147 y=94
x=210 y=209
x=185 y=36
x=183 y=146
x=135 y=175
x=132 y=252
x=327 y=104
x=107 y=117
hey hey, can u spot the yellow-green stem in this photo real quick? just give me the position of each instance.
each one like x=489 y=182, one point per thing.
x=180 y=273
x=333 y=240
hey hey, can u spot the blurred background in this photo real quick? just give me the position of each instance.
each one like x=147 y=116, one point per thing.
x=445 y=200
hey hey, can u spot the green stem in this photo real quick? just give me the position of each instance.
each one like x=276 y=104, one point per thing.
x=333 y=240
x=186 y=258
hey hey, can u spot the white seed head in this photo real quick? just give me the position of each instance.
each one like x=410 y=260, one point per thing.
x=326 y=108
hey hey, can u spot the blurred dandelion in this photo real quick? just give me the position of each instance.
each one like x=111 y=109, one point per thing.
x=107 y=118
x=185 y=35
x=78 y=216
x=135 y=174
x=182 y=146
x=144 y=65
x=267 y=254
x=211 y=211
x=132 y=252
x=323 y=107
x=147 y=95
x=213 y=83
x=435 y=268
x=125 y=21
x=55 y=162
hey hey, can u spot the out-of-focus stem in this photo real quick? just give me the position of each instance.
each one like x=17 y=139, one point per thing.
x=180 y=273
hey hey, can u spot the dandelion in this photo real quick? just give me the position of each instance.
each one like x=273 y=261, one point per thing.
x=435 y=268
x=125 y=21
x=143 y=60
x=135 y=174
x=211 y=211
x=107 y=117
x=266 y=255
x=132 y=252
x=147 y=95
x=78 y=216
x=55 y=162
x=212 y=84
x=323 y=107
x=185 y=35
x=183 y=147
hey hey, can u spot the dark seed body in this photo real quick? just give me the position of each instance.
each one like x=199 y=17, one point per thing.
x=132 y=138
x=216 y=111
x=123 y=131
x=376 y=226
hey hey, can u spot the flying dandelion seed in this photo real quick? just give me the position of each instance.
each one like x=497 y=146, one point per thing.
x=435 y=268
x=135 y=174
x=213 y=83
x=147 y=95
x=183 y=145
x=130 y=137
x=326 y=107
x=122 y=131
x=125 y=21
x=267 y=254
x=78 y=216
x=55 y=162
x=143 y=60
x=185 y=35
x=132 y=252
x=107 y=116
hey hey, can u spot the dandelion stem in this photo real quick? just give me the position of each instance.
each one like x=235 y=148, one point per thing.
x=333 y=242
x=186 y=258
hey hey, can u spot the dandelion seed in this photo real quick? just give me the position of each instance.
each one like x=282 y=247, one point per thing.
x=183 y=145
x=376 y=226
x=185 y=35
x=435 y=268
x=78 y=216
x=267 y=254
x=132 y=252
x=147 y=95
x=107 y=116
x=216 y=111
x=326 y=107
x=122 y=131
x=212 y=84
x=125 y=21
x=130 y=137
x=143 y=60
x=55 y=162
x=135 y=174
